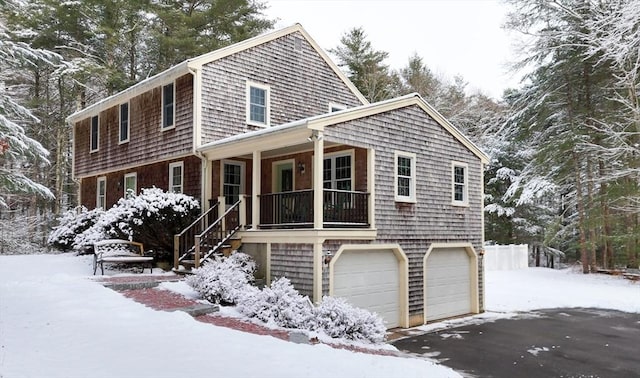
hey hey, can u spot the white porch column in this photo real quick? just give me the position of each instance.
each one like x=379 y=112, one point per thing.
x=255 y=190
x=318 y=162
x=371 y=185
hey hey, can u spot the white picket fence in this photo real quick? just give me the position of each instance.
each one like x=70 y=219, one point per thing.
x=506 y=257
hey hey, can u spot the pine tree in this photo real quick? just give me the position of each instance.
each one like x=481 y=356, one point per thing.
x=19 y=153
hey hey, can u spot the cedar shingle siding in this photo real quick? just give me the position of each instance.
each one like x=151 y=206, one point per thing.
x=146 y=142
x=147 y=176
x=301 y=85
x=432 y=218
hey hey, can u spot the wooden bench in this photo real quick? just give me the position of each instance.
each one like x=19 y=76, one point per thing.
x=119 y=251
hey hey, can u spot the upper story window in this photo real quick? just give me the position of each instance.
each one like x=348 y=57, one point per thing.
x=175 y=177
x=124 y=123
x=258 y=112
x=130 y=184
x=101 y=192
x=460 y=186
x=95 y=133
x=405 y=176
x=168 y=106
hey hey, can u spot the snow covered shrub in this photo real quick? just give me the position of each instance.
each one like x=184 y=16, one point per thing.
x=225 y=279
x=338 y=319
x=71 y=227
x=279 y=304
x=152 y=218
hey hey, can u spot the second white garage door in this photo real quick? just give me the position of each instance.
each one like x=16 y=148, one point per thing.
x=448 y=288
x=370 y=280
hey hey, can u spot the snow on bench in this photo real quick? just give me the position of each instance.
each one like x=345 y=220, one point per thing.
x=119 y=251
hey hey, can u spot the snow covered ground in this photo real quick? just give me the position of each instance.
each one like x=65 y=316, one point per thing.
x=56 y=322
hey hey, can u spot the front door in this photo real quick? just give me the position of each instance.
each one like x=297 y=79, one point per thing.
x=283 y=177
x=283 y=183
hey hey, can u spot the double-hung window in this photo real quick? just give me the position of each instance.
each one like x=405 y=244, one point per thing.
x=95 y=133
x=124 y=123
x=168 y=106
x=101 y=192
x=130 y=184
x=459 y=172
x=405 y=176
x=258 y=99
x=175 y=177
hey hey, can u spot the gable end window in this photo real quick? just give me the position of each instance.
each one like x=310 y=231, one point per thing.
x=168 y=106
x=258 y=99
x=460 y=187
x=176 y=177
x=405 y=176
x=124 y=122
x=95 y=133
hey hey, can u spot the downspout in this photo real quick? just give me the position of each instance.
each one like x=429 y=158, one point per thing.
x=197 y=138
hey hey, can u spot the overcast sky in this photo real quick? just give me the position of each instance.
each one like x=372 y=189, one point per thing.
x=453 y=37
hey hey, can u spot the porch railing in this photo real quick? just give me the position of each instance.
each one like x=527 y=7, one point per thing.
x=295 y=209
x=183 y=242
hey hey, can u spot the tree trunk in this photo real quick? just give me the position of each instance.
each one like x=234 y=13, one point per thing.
x=584 y=258
x=607 y=250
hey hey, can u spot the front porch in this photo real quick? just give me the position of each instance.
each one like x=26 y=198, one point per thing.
x=292 y=180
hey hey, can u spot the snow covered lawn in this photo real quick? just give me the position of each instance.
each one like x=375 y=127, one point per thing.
x=57 y=322
x=539 y=288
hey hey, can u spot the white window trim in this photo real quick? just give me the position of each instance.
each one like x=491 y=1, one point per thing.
x=352 y=153
x=171 y=166
x=124 y=183
x=267 y=90
x=120 y=140
x=464 y=202
x=91 y=150
x=243 y=167
x=104 y=196
x=173 y=125
x=337 y=106
x=412 y=185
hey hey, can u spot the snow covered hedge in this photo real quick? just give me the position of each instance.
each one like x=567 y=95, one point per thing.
x=225 y=279
x=152 y=218
x=71 y=225
x=228 y=280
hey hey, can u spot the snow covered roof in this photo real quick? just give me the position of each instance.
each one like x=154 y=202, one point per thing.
x=190 y=66
x=320 y=121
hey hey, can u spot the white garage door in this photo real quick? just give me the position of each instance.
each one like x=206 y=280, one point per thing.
x=448 y=283
x=370 y=280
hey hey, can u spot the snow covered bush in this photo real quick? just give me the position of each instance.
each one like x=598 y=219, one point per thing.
x=279 y=304
x=72 y=225
x=338 y=319
x=224 y=280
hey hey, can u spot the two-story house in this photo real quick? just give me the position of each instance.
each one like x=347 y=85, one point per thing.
x=378 y=203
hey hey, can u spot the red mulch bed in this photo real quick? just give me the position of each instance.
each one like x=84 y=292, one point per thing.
x=167 y=300
x=240 y=325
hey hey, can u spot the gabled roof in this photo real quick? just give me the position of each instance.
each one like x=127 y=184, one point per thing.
x=196 y=63
x=319 y=122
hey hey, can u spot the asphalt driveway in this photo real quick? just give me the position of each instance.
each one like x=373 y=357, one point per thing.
x=550 y=343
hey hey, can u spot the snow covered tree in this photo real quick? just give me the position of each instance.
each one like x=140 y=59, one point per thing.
x=19 y=153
